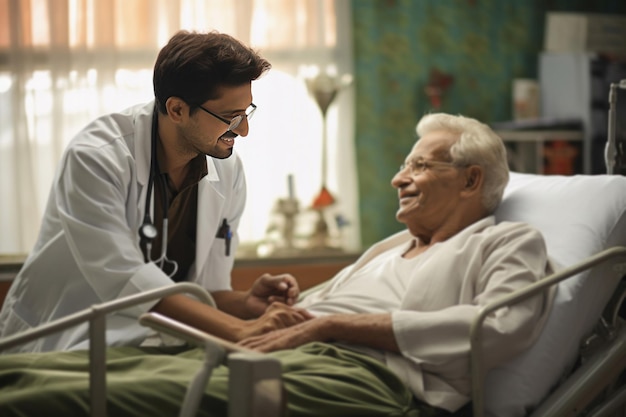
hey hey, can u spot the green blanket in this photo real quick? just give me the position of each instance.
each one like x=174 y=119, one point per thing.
x=320 y=380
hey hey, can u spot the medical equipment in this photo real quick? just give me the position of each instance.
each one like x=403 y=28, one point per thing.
x=611 y=150
x=148 y=231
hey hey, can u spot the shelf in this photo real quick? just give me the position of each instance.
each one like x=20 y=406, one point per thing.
x=544 y=151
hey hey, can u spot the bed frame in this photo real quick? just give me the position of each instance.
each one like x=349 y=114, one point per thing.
x=598 y=373
x=255 y=384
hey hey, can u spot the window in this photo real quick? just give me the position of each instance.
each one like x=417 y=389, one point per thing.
x=62 y=67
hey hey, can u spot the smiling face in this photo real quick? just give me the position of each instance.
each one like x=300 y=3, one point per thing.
x=429 y=200
x=207 y=134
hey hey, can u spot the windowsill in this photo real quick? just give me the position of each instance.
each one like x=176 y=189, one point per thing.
x=10 y=265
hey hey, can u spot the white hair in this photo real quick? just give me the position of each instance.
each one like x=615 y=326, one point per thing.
x=477 y=145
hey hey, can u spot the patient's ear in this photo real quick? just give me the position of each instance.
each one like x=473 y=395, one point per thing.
x=473 y=180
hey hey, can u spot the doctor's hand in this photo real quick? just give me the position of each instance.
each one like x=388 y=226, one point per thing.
x=268 y=289
x=277 y=316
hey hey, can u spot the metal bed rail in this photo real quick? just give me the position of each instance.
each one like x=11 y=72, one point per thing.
x=96 y=316
x=588 y=381
x=255 y=380
x=476 y=337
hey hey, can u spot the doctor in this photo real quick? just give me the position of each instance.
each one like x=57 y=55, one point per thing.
x=166 y=168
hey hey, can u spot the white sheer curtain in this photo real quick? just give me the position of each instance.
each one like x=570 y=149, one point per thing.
x=64 y=62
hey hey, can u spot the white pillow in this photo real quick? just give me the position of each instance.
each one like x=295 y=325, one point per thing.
x=578 y=216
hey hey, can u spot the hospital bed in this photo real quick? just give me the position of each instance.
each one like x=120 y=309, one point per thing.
x=576 y=367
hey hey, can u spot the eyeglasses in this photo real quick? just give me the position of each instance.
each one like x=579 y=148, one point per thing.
x=235 y=121
x=418 y=166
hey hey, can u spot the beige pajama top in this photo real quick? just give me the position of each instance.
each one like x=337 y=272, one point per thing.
x=434 y=297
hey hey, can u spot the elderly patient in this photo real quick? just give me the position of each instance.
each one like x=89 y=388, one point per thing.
x=391 y=332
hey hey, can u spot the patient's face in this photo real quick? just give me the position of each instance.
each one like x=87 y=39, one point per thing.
x=428 y=199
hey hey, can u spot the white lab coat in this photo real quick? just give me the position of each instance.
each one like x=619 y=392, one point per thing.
x=88 y=247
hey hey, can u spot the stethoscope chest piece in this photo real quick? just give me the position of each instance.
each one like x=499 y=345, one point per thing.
x=148 y=231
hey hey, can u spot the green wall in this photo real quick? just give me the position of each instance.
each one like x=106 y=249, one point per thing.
x=482 y=44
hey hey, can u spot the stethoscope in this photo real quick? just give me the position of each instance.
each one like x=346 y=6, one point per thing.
x=148 y=231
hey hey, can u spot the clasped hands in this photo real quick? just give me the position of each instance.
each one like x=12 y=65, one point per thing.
x=280 y=324
x=271 y=298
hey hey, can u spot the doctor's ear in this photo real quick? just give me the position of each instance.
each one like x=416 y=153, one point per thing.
x=175 y=107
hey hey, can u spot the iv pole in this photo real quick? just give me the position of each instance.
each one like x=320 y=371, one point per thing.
x=610 y=151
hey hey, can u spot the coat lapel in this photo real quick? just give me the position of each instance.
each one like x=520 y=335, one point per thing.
x=143 y=149
x=210 y=207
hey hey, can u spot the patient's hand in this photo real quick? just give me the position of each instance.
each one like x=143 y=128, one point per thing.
x=277 y=316
x=268 y=289
x=287 y=338
x=372 y=330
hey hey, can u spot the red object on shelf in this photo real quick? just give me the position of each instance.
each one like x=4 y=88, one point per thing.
x=323 y=199
x=438 y=83
x=560 y=157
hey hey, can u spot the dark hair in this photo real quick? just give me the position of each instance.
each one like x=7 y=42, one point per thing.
x=193 y=66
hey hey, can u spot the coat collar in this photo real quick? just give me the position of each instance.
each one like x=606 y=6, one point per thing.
x=142 y=120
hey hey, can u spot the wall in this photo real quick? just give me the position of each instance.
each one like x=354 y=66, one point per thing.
x=398 y=44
